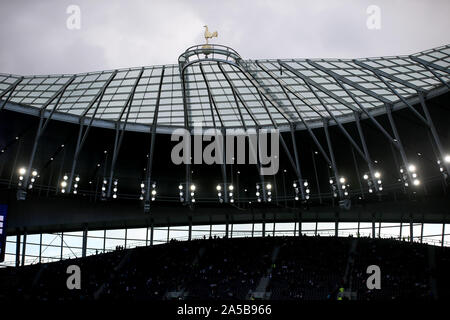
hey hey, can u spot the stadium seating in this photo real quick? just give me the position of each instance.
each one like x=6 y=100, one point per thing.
x=278 y=268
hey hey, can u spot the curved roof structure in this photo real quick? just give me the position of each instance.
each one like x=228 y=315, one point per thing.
x=214 y=86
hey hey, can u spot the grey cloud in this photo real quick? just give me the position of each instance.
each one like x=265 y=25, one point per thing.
x=120 y=33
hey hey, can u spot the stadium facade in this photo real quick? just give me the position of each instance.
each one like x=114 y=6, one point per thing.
x=366 y=151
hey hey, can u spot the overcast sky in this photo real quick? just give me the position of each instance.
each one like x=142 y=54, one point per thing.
x=126 y=33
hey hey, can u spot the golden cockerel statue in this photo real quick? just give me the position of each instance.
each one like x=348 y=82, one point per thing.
x=209 y=35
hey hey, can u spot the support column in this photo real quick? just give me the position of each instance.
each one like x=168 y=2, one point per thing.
x=104 y=241
x=84 y=245
x=357 y=173
x=443 y=234
x=336 y=226
x=18 y=249
x=253 y=225
x=297 y=164
x=227 y=226
x=40 y=247
x=62 y=246
x=316 y=176
x=24 y=247
x=421 y=233
x=333 y=161
x=152 y=230
x=365 y=149
x=210 y=229
x=436 y=139
x=373 y=227
x=300 y=227
x=152 y=148
x=399 y=142
x=264 y=226
x=190 y=229
x=359 y=228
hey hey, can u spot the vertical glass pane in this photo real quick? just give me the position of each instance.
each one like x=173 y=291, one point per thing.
x=179 y=233
x=308 y=228
x=348 y=229
x=242 y=230
x=325 y=229
x=136 y=237
x=432 y=233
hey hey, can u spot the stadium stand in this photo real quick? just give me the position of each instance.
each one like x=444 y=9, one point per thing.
x=276 y=268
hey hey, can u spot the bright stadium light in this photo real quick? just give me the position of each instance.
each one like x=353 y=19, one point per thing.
x=34 y=173
x=377 y=174
x=218 y=188
x=22 y=171
x=416 y=182
x=269 y=186
x=192 y=187
x=342 y=180
x=412 y=168
x=447 y=158
x=366 y=177
x=230 y=187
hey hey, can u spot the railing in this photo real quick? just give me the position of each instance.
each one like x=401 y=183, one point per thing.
x=210 y=52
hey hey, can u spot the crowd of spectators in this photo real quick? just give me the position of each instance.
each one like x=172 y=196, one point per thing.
x=295 y=268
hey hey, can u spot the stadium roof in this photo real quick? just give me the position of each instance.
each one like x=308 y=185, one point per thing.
x=231 y=92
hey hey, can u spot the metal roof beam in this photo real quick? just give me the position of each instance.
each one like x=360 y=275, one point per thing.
x=118 y=143
x=10 y=89
x=252 y=77
x=99 y=94
x=388 y=76
x=352 y=96
x=284 y=86
x=238 y=97
x=429 y=64
x=212 y=101
x=346 y=134
x=349 y=82
x=311 y=133
x=318 y=86
x=418 y=115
